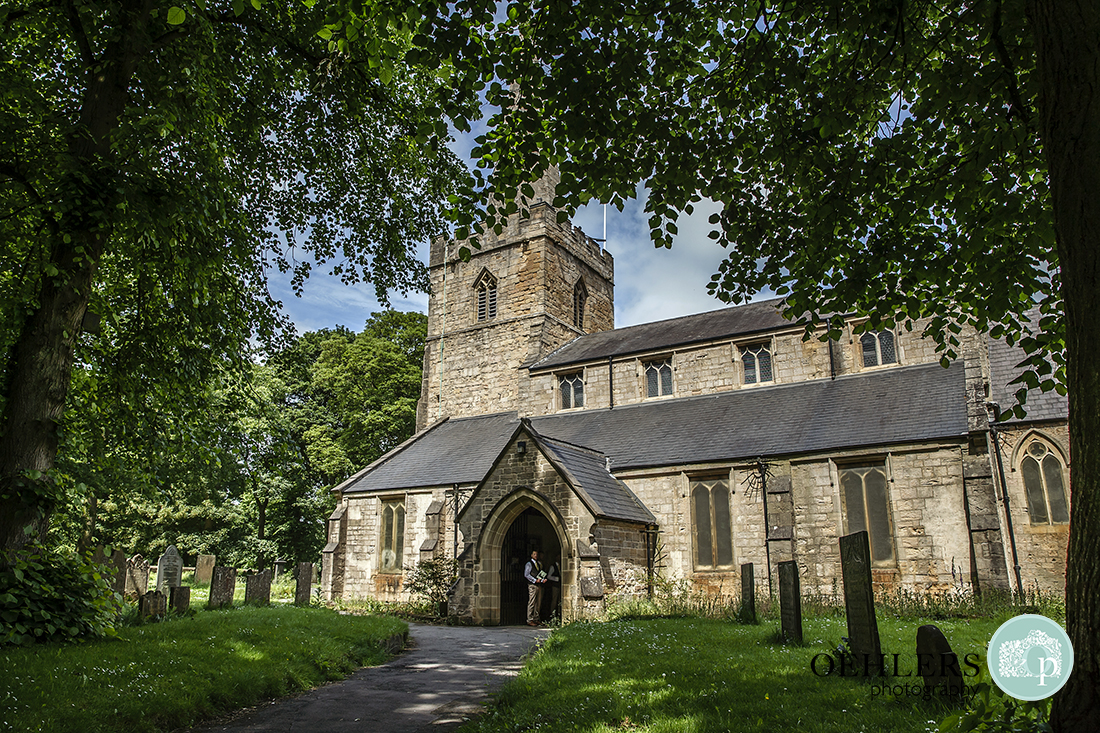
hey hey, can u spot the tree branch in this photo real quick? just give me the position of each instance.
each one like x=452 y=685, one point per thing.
x=1016 y=104
x=79 y=35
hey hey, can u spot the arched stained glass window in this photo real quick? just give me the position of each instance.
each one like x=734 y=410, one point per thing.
x=392 y=541
x=1044 y=483
x=878 y=348
x=712 y=525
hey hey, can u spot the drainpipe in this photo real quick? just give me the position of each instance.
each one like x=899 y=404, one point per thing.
x=995 y=409
x=610 y=385
x=455 y=489
x=767 y=528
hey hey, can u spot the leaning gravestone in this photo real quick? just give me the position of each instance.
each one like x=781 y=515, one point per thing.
x=222 y=584
x=257 y=588
x=179 y=598
x=790 y=601
x=304 y=584
x=137 y=576
x=748 y=595
x=152 y=604
x=937 y=663
x=204 y=569
x=169 y=569
x=859 y=602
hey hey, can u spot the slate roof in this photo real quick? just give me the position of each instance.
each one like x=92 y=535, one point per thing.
x=1003 y=361
x=883 y=407
x=586 y=471
x=457 y=451
x=742 y=320
x=905 y=404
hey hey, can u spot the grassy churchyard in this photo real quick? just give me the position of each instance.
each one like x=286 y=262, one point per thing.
x=163 y=676
x=691 y=674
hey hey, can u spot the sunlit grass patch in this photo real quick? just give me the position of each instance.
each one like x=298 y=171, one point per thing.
x=684 y=674
x=158 y=677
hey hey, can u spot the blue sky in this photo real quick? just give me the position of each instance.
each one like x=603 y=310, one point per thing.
x=650 y=284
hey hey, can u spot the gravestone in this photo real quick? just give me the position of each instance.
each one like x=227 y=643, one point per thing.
x=137 y=577
x=223 y=582
x=937 y=663
x=859 y=602
x=748 y=595
x=790 y=601
x=204 y=569
x=257 y=588
x=152 y=604
x=280 y=567
x=304 y=584
x=179 y=598
x=169 y=569
x=115 y=568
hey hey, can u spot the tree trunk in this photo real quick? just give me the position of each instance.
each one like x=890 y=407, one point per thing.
x=41 y=359
x=1067 y=38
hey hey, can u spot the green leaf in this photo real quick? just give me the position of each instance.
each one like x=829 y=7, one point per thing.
x=176 y=15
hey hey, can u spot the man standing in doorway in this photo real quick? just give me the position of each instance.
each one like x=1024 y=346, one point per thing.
x=536 y=579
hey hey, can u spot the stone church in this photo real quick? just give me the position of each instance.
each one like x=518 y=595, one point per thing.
x=689 y=447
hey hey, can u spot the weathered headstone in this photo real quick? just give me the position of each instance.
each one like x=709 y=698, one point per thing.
x=304 y=583
x=859 y=602
x=204 y=569
x=115 y=565
x=179 y=598
x=223 y=582
x=280 y=567
x=937 y=663
x=790 y=601
x=748 y=595
x=137 y=576
x=257 y=588
x=152 y=604
x=169 y=570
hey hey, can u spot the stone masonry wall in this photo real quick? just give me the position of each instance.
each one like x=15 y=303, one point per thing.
x=536 y=262
x=717 y=367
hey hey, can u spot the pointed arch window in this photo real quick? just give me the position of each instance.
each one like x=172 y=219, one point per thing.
x=486 y=288
x=711 y=524
x=393 y=536
x=1044 y=481
x=580 y=298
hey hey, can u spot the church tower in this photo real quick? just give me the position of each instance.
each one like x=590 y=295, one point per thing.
x=532 y=288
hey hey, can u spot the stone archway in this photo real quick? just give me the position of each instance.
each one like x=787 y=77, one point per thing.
x=522 y=521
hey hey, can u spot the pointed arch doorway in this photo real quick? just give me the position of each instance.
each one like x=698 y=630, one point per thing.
x=531 y=530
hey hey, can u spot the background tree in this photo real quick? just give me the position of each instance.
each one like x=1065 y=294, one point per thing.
x=155 y=161
x=893 y=160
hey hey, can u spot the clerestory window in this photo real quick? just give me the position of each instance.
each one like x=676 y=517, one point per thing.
x=658 y=378
x=1044 y=482
x=486 y=288
x=711 y=525
x=878 y=348
x=392 y=540
x=571 y=387
x=757 y=363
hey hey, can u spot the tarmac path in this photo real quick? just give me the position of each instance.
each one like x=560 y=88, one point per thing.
x=444 y=675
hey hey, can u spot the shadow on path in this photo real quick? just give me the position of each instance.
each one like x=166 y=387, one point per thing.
x=444 y=675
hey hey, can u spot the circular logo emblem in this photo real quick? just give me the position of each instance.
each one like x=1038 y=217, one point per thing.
x=1030 y=657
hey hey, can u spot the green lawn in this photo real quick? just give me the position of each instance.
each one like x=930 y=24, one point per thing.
x=168 y=675
x=683 y=675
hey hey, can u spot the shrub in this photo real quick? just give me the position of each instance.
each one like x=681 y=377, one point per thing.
x=992 y=711
x=431 y=579
x=53 y=595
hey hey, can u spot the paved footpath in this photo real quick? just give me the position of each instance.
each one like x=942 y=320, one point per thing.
x=444 y=675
